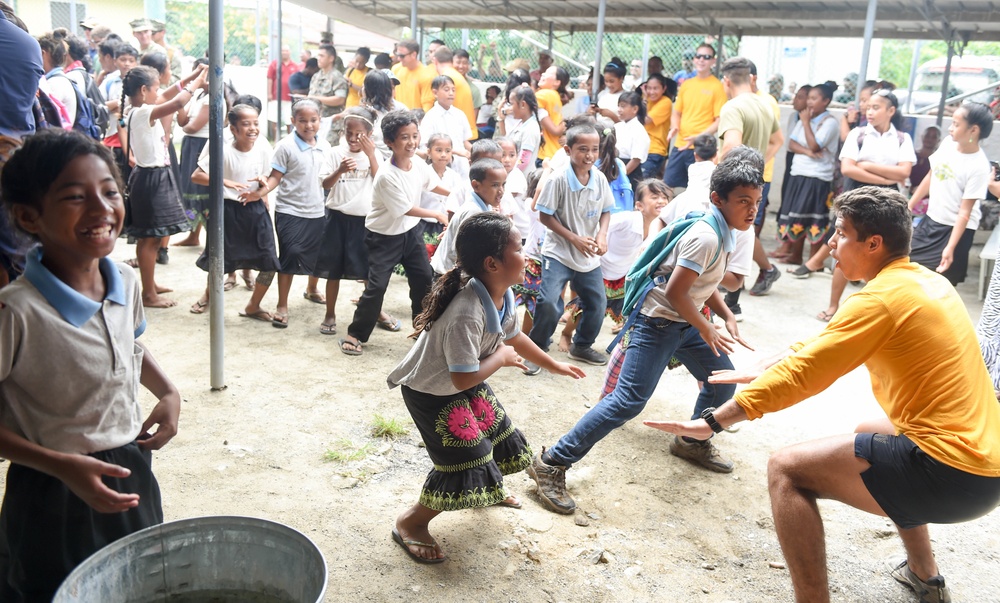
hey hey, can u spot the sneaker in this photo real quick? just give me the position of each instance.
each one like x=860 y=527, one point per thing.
x=551 y=482
x=588 y=355
x=932 y=591
x=765 y=280
x=702 y=453
x=801 y=272
x=737 y=312
x=161 y=256
x=533 y=369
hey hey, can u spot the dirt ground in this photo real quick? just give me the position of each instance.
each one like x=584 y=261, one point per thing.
x=655 y=527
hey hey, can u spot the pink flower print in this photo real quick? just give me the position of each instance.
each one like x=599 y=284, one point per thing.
x=484 y=413
x=462 y=423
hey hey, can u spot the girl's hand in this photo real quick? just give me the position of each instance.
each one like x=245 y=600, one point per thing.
x=804 y=116
x=441 y=217
x=509 y=357
x=567 y=370
x=347 y=165
x=367 y=145
x=734 y=331
x=852 y=114
x=82 y=475
x=198 y=71
x=947 y=257
x=164 y=415
x=717 y=340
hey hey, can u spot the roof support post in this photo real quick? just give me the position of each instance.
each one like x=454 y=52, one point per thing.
x=914 y=64
x=465 y=39
x=645 y=56
x=865 y=50
x=413 y=19
x=596 y=81
x=944 y=81
x=718 y=51
x=550 y=36
x=216 y=302
x=281 y=24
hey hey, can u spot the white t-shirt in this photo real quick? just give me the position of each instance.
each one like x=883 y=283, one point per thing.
x=608 y=100
x=452 y=122
x=445 y=255
x=526 y=135
x=352 y=193
x=956 y=176
x=396 y=192
x=194 y=107
x=516 y=187
x=147 y=140
x=535 y=236
x=456 y=188
x=632 y=140
x=61 y=87
x=624 y=242
x=239 y=166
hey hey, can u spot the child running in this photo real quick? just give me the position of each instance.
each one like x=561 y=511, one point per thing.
x=468 y=331
x=670 y=324
x=488 y=178
x=393 y=228
x=298 y=210
x=155 y=209
x=248 y=234
x=80 y=476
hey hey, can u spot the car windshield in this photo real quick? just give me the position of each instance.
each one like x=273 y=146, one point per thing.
x=960 y=82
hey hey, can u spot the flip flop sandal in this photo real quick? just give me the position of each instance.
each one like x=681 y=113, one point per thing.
x=353 y=350
x=510 y=505
x=279 y=321
x=315 y=298
x=824 y=316
x=406 y=544
x=328 y=329
x=229 y=285
x=199 y=307
x=393 y=325
x=261 y=315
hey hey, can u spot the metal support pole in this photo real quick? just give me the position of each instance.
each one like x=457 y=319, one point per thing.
x=914 y=64
x=216 y=304
x=465 y=39
x=330 y=23
x=420 y=39
x=865 y=50
x=944 y=82
x=551 y=36
x=74 y=24
x=645 y=56
x=719 y=58
x=277 y=83
x=256 y=36
x=596 y=80
x=413 y=19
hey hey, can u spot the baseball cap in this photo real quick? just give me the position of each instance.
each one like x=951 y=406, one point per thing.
x=392 y=76
x=141 y=25
x=89 y=23
x=515 y=64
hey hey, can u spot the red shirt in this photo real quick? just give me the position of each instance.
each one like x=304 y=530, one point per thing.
x=287 y=69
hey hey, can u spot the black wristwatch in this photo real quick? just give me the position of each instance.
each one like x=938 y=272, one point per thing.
x=709 y=417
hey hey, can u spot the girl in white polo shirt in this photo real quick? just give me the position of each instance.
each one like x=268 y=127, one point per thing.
x=632 y=139
x=80 y=476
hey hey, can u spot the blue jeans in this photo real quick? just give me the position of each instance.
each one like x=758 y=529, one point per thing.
x=651 y=344
x=676 y=172
x=589 y=287
x=653 y=166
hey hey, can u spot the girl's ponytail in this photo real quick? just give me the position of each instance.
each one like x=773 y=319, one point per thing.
x=444 y=290
x=608 y=155
x=121 y=106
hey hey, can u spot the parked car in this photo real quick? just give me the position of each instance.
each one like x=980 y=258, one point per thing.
x=968 y=74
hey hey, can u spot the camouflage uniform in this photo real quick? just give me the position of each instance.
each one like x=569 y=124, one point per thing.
x=330 y=83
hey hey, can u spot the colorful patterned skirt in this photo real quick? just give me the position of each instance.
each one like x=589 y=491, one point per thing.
x=806 y=211
x=614 y=291
x=472 y=444
x=526 y=294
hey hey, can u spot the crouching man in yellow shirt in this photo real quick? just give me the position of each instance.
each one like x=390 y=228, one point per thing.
x=936 y=456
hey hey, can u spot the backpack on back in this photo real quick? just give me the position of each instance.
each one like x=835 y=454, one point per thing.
x=98 y=106
x=84 y=121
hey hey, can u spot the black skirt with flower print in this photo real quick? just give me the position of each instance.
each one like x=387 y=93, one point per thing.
x=472 y=444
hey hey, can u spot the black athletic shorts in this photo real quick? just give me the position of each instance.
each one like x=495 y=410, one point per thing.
x=914 y=489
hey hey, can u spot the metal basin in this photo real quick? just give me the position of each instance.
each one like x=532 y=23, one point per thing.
x=202 y=560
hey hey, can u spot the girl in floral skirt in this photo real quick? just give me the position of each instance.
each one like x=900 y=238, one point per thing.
x=468 y=331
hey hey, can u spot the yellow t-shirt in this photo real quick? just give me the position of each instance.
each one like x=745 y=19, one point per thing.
x=769 y=166
x=912 y=331
x=463 y=98
x=659 y=112
x=357 y=78
x=411 y=85
x=550 y=101
x=699 y=101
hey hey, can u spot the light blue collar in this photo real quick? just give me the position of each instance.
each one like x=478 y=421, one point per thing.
x=75 y=308
x=815 y=121
x=479 y=201
x=55 y=71
x=494 y=324
x=574 y=182
x=303 y=145
x=728 y=235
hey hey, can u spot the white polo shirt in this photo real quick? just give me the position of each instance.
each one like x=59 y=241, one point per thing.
x=69 y=365
x=631 y=140
x=883 y=149
x=624 y=241
x=579 y=209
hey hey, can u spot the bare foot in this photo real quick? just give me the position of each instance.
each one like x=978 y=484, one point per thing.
x=190 y=241
x=155 y=301
x=419 y=542
x=565 y=341
x=160 y=289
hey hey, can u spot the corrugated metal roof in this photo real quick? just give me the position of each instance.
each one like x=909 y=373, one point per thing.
x=914 y=19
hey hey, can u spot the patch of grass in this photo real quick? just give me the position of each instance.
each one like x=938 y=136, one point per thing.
x=389 y=428
x=346 y=452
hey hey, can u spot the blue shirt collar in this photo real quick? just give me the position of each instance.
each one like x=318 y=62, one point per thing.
x=303 y=145
x=55 y=71
x=494 y=324
x=574 y=182
x=479 y=201
x=75 y=308
x=818 y=118
x=728 y=235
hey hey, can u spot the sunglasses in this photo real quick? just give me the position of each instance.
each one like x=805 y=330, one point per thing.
x=707 y=57
x=403 y=55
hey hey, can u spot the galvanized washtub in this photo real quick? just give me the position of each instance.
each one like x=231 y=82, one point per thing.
x=204 y=559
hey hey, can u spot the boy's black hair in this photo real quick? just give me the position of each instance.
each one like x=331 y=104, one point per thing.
x=312 y=62
x=383 y=61
x=706 y=146
x=581 y=119
x=249 y=99
x=874 y=210
x=127 y=49
x=978 y=114
x=31 y=169
x=493 y=87
x=738 y=70
x=109 y=47
x=573 y=134
x=365 y=52
x=481 y=167
x=743 y=166
x=156 y=60
x=484 y=147
x=461 y=53
x=394 y=121
x=441 y=80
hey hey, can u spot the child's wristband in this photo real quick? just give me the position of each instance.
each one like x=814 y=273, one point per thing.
x=179 y=88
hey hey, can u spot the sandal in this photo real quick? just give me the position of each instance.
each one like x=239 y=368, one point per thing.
x=199 y=307
x=229 y=285
x=406 y=544
x=261 y=315
x=801 y=271
x=315 y=298
x=350 y=348
x=391 y=324
x=328 y=328
x=511 y=502
x=824 y=316
x=279 y=321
